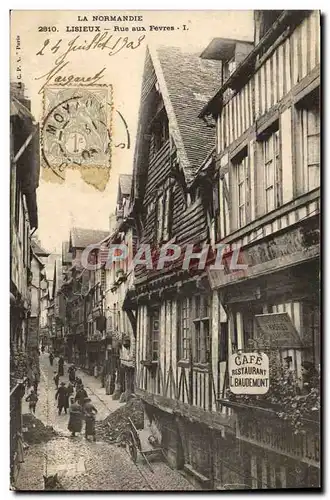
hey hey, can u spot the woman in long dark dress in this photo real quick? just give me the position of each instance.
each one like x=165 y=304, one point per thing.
x=72 y=374
x=62 y=398
x=76 y=417
x=81 y=394
x=61 y=366
x=90 y=411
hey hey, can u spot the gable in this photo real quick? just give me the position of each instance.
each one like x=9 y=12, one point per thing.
x=184 y=81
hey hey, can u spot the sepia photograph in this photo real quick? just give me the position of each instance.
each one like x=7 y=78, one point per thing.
x=165 y=327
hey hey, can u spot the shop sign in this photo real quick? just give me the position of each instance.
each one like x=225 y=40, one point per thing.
x=278 y=331
x=249 y=373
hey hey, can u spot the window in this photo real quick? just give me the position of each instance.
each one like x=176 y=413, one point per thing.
x=310 y=127
x=250 y=325
x=273 y=171
x=223 y=342
x=160 y=131
x=167 y=211
x=229 y=67
x=184 y=329
x=103 y=279
x=163 y=215
x=154 y=333
x=160 y=217
x=268 y=18
x=243 y=193
x=201 y=322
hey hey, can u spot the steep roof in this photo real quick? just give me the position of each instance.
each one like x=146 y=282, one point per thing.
x=38 y=250
x=125 y=183
x=190 y=82
x=185 y=82
x=81 y=238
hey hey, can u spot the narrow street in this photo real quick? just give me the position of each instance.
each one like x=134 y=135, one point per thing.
x=84 y=465
x=165 y=205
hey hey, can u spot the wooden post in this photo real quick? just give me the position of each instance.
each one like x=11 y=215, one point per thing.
x=190 y=374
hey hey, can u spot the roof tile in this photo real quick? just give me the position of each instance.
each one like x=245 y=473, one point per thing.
x=81 y=238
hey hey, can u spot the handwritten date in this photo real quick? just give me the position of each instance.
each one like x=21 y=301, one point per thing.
x=103 y=41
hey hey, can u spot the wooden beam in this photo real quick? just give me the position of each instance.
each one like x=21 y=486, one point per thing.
x=214 y=420
x=132 y=319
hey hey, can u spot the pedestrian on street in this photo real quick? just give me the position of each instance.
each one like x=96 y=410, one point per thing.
x=72 y=373
x=90 y=411
x=81 y=394
x=29 y=375
x=36 y=380
x=62 y=398
x=76 y=417
x=51 y=358
x=56 y=379
x=78 y=383
x=70 y=389
x=32 y=399
x=61 y=366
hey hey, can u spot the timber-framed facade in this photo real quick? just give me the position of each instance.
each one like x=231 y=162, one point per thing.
x=264 y=176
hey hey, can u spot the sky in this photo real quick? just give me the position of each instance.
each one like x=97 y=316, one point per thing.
x=74 y=202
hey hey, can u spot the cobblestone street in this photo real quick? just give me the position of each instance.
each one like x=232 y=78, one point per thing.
x=84 y=465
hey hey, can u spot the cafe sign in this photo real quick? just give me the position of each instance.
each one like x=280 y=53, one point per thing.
x=249 y=373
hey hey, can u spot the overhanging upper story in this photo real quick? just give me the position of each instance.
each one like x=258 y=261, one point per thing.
x=172 y=144
x=268 y=132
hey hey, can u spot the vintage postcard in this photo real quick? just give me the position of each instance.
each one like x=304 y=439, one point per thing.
x=165 y=250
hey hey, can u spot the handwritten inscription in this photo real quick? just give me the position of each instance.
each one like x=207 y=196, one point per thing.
x=104 y=42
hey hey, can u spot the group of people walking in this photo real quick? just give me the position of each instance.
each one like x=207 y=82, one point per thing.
x=71 y=396
x=81 y=407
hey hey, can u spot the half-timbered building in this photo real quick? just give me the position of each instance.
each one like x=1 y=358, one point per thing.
x=174 y=374
x=24 y=181
x=83 y=290
x=267 y=114
x=121 y=324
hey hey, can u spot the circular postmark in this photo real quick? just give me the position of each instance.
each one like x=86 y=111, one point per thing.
x=76 y=128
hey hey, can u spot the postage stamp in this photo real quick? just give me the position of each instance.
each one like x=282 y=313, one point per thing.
x=76 y=131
